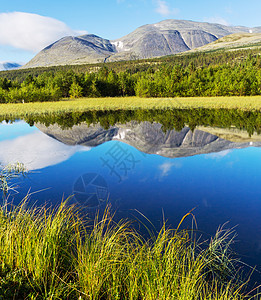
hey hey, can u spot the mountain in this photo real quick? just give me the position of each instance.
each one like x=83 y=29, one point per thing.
x=8 y=66
x=150 y=138
x=74 y=50
x=153 y=40
x=170 y=37
x=233 y=42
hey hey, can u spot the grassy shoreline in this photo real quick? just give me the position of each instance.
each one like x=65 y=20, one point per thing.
x=51 y=254
x=85 y=104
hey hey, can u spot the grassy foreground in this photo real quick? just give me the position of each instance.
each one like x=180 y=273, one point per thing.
x=84 y=104
x=53 y=255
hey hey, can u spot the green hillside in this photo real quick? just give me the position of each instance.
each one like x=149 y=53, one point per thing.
x=213 y=57
x=213 y=74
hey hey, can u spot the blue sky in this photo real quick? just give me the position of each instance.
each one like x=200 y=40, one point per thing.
x=28 y=26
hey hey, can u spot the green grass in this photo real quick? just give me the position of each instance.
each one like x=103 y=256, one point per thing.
x=84 y=104
x=52 y=254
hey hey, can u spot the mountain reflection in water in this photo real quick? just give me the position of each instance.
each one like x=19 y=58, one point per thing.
x=150 y=138
x=216 y=170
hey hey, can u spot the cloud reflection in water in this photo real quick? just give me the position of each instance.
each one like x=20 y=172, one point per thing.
x=36 y=151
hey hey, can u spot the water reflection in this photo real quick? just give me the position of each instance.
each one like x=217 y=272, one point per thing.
x=36 y=151
x=250 y=121
x=216 y=170
x=150 y=138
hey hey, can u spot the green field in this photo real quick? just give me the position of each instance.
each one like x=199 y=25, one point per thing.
x=86 y=104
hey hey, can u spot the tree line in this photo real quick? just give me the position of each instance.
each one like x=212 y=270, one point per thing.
x=199 y=59
x=249 y=121
x=238 y=78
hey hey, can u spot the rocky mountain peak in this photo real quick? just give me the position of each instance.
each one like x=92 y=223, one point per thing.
x=153 y=40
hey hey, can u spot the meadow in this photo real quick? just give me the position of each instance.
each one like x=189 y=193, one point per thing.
x=17 y=110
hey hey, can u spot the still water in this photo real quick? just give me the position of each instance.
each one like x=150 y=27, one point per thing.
x=141 y=169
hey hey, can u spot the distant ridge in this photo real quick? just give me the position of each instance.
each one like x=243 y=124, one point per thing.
x=8 y=66
x=148 y=41
x=233 y=41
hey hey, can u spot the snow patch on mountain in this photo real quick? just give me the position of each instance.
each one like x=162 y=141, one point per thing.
x=120 y=46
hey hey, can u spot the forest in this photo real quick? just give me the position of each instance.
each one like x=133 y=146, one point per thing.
x=170 y=119
x=236 y=73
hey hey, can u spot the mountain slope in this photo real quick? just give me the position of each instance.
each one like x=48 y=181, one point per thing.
x=233 y=41
x=74 y=50
x=170 y=37
x=153 y=40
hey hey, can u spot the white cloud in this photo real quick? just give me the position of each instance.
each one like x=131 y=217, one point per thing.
x=31 y=32
x=164 y=9
x=166 y=167
x=217 y=19
x=36 y=151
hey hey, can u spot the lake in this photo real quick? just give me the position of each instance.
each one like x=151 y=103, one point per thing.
x=145 y=170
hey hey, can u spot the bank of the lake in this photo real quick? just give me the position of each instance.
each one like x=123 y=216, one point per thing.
x=116 y=103
x=51 y=254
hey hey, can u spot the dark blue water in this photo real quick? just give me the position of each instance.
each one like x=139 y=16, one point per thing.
x=221 y=186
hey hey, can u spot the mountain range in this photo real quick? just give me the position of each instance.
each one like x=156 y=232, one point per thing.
x=8 y=66
x=154 y=40
x=151 y=139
